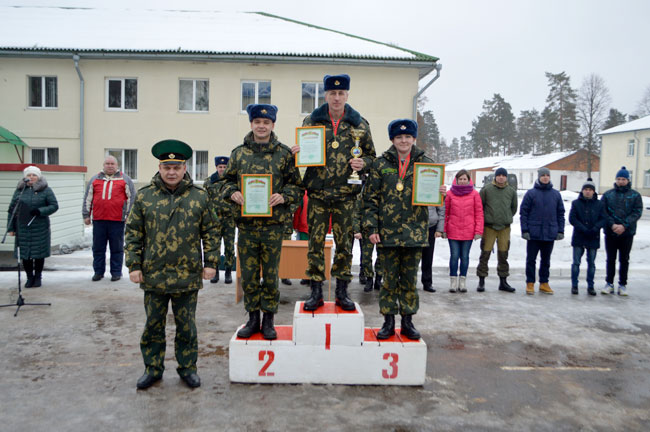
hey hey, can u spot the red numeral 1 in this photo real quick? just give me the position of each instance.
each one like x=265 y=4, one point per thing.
x=392 y=364
x=270 y=356
x=328 y=335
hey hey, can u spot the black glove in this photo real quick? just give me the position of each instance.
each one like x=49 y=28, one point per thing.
x=35 y=212
x=525 y=236
x=560 y=236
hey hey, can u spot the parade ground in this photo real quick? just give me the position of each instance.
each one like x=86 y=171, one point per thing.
x=496 y=361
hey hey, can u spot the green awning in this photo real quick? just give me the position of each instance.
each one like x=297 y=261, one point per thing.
x=11 y=138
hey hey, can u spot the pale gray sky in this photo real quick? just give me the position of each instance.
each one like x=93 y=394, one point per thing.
x=486 y=47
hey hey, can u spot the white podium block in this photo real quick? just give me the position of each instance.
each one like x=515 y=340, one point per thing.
x=329 y=325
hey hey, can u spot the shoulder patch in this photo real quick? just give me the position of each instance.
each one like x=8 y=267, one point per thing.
x=389 y=171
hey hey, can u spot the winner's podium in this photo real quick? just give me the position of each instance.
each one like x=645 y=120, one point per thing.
x=328 y=346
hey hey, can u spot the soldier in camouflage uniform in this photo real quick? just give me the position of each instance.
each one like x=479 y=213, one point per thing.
x=169 y=221
x=366 y=274
x=329 y=191
x=225 y=217
x=398 y=228
x=260 y=238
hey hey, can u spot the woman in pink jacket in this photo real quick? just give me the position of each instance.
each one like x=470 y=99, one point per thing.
x=463 y=224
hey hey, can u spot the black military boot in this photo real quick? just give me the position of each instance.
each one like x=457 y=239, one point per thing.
x=388 y=329
x=251 y=327
x=408 y=329
x=215 y=279
x=228 y=276
x=368 y=287
x=363 y=279
x=342 y=299
x=30 y=279
x=377 y=282
x=316 y=299
x=428 y=287
x=268 y=331
x=37 y=279
x=504 y=285
x=286 y=281
x=481 y=284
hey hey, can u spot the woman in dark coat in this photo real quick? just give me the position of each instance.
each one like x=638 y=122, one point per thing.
x=32 y=223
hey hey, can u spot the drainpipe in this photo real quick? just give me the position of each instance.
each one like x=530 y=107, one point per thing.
x=81 y=109
x=417 y=95
x=637 y=156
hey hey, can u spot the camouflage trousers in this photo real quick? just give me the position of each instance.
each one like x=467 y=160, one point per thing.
x=153 y=342
x=502 y=239
x=226 y=231
x=398 y=294
x=366 y=258
x=259 y=251
x=318 y=216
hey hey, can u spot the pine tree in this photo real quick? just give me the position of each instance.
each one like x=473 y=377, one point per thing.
x=453 y=150
x=614 y=118
x=466 y=149
x=529 y=131
x=493 y=132
x=428 y=135
x=560 y=116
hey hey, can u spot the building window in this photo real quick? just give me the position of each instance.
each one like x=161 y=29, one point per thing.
x=313 y=96
x=630 y=148
x=531 y=177
x=197 y=165
x=43 y=92
x=47 y=156
x=122 y=94
x=193 y=95
x=255 y=92
x=647 y=147
x=127 y=161
x=646 y=180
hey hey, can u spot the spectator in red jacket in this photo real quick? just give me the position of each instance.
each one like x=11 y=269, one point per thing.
x=463 y=224
x=108 y=200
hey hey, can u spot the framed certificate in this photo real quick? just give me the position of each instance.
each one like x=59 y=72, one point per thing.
x=257 y=190
x=427 y=179
x=311 y=140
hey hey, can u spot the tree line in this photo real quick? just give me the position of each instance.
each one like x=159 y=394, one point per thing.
x=570 y=120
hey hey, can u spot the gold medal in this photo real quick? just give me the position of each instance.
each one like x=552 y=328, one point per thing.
x=335 y=144
x=400 y=185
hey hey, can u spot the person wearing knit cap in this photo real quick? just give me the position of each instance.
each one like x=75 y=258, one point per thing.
x=623 y=206
x=587 y=216
x=225 y=217
x=330 y=193
x=499 y=206
x=541 y=216
x=34 y=202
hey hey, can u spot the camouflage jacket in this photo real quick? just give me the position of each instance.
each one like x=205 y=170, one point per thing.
x=273 y=158
x=221 y=209
x=389 y=212
x=164 y=232
x=330 y=182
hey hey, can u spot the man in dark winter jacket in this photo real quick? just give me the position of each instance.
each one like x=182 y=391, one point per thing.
x=329 y=192
x=587 y=216
x=108 y=199
x=623 y=206
x=542 y=222
x=499 y=206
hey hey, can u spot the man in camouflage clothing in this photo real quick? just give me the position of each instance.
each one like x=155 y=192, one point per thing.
x=170 y=219
x=398 y=228
x=329 y=192
x=260 y=238
x=224 y=216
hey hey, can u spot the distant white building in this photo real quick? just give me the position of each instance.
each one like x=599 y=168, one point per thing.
x=627 y=145
x=568 y=169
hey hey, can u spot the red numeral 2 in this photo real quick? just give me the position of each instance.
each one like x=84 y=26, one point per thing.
x=392 y=364
x=270 y=356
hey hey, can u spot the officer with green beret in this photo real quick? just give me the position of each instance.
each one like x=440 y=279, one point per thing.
x=397 y=227
x=225 y=218
x=330 y=193
x=169 y=247
x=259 y=242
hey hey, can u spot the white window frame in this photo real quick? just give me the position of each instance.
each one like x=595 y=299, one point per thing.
x=646 y=179
x=630 y=146
x=123 y=89
x=257 y=92
x=43 y=96
x=46 y=158
x=191 y=168
x=193 y=110
x=123 y=159
x=317 y=94
x=647 y=147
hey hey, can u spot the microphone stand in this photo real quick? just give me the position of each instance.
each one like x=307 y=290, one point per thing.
x=20 y=302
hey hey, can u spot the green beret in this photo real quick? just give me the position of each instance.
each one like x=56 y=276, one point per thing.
x=171 y=151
